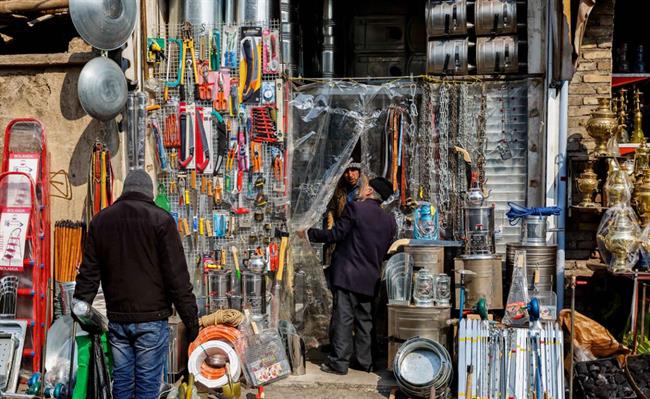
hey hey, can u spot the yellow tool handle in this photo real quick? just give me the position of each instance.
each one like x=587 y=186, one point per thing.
x=187 y=197
x=283 y=249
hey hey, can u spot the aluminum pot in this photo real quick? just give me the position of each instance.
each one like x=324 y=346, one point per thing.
x=446 y=17
x=102 y=88
x=421 y=364
x=495 y=17
x=448 y=57
x=497 y=55
x=104 y=24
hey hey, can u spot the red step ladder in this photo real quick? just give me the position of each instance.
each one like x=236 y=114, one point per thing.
x=25 y=154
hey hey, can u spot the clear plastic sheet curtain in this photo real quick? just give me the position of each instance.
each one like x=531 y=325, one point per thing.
x=327 y=121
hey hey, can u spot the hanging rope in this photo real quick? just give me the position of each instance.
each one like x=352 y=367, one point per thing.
x=518 y=212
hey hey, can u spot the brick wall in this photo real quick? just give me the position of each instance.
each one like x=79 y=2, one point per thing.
x=593 y=77
x=591 y=81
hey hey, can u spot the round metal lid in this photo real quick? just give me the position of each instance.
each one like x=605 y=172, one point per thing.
x=102 y=88
x=104 y=24
x=420 y=366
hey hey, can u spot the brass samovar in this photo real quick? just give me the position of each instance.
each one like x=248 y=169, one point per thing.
x=617 y=188
x=642 y=197
x=601 y=126
x=587 y=185
x=641 y=158
x=620 y=240
x=637 y=133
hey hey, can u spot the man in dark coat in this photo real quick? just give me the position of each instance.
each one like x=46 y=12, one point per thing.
x=134 y=249
x=362 y=236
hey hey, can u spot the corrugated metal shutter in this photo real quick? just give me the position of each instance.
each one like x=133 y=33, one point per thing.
x=506 y=119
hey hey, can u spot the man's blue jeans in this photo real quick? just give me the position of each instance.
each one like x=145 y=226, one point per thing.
x=139 y=354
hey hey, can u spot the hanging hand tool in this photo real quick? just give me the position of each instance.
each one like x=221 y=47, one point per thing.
x=215 y=50
x=229 y=47
x=275 y=300
x=205 y=87
x=250 y=69
x=155 y=50
x=187 y=118
x=188 y=45
x=222 y=141
x=177 y=82
x=233 y=98
x=202 y=145
x=271 y=50
x=264 y=127
x=172 y=132
x=235 y=259
x=220 y=103
x=161 y=154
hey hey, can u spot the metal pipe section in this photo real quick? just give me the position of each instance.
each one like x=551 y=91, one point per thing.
x=286 y=37
x=229 y=17
x=253 y=11
x=561 y=186
x=327 y=57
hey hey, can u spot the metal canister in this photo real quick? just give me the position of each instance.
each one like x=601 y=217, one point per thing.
x=448 y=57
x=254 y=292
x=218 y=290
x=497 y=55
x=495 y=17
x=427 y=257
x=446 y=17
x=486 y=281
x=533 y=232
x=540 y=259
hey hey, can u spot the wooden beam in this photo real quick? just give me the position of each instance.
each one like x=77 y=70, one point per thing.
x=44 y=60
x=20 y=6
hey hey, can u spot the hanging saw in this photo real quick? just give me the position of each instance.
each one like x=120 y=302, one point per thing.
x=187 y=135
x=222 y=141
x=202 y=145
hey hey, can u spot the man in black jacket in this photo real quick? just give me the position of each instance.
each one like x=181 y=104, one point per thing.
x=362 y=236
x=134 y=249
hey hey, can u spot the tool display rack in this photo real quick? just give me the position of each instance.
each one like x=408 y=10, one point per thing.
x=247 y=234
x=33 y=297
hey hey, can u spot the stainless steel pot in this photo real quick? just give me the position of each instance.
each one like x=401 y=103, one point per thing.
x=102 y=88
x=448 y=57
x=104 y=24
x=497 y=55
x=446 y=17
x=495 y=17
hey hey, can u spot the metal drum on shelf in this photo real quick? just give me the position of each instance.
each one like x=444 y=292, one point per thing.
x=218 y=291
x=538 y=258
x=495 y=17
x=446 y=17
x=485 y=283
x=534 y=230
x=448 y=56
x=254 y=291
x=498 y=54
x=427 y=257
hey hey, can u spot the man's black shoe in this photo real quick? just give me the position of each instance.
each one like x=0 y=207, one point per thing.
x=326 y=368
x=357 y=366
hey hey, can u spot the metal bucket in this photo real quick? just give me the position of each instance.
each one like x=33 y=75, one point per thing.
x=446 y=17
x=253 y=11
x=538 y=258
x=406 y=321
x=497 y=55
x=427 y=257
x=495 y=17
x=204 y=12
x=448 y=57
x=533 y=232
x=487 y=283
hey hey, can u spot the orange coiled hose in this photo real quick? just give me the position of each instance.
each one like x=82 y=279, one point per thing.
x=223 y=333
